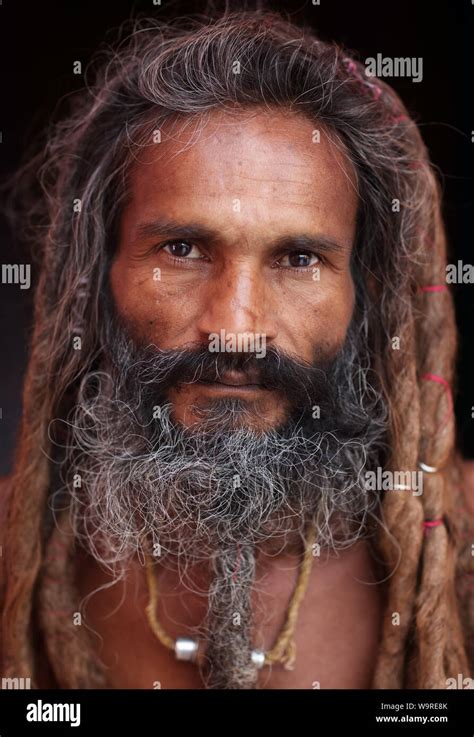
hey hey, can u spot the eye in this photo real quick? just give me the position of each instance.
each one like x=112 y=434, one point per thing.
x=300 y=259
x=181 y=249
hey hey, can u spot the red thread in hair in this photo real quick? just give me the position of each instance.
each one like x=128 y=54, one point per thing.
x=364 y=85
x=429 y=523
x=447 y=388
x=434 y=288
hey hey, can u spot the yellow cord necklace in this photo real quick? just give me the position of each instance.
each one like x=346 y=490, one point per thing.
x=284 y=650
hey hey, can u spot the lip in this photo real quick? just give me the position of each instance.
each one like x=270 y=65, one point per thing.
x=234 y=382
x=221 y=388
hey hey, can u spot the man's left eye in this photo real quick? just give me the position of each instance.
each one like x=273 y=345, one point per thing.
x=301 y=259
x=182 y=249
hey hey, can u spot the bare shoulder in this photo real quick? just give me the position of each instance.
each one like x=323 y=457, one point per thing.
x=465 y=558
x=467 y=469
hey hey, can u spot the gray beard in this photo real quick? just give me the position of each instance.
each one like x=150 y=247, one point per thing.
x=198 y=496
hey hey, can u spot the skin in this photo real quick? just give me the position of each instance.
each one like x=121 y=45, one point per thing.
x=337 y=633
x=247 y=277
x=251 y=184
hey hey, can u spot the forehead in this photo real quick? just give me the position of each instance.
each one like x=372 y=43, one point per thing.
x=260 y=165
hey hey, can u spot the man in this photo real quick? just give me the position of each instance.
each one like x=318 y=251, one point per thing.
x=236 y=466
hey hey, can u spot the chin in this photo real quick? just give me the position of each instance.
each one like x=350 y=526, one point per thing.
x=229 y=412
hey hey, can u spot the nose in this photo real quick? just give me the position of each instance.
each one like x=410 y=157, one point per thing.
x=238 y=301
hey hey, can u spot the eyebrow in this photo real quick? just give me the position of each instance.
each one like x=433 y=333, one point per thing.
x=198 y=232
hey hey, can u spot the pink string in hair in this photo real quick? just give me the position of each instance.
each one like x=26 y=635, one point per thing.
x=433 y=288
x=364 y=85
x=399 y=118
x=447 y=388
x=429 y=523
x=376 y=91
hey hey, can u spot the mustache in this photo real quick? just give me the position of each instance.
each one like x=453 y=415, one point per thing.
x=152 y=372
x=173 y=368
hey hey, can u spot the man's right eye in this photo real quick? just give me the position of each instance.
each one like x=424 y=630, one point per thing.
x=181 y=249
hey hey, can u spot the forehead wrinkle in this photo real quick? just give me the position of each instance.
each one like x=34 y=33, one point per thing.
x=230 y=176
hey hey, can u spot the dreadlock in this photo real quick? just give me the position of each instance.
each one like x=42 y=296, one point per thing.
x=185 y=70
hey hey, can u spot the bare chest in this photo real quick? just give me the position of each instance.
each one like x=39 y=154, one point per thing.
x=336 y=636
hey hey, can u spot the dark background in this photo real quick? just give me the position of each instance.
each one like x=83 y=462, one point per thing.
x=40 y=40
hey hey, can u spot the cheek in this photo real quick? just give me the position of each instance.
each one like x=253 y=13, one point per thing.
x=145 y=301
x=132 y=290
x=339 y=307
x=320 y=317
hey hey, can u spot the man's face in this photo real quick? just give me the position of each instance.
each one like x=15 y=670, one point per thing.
x=248 y=231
